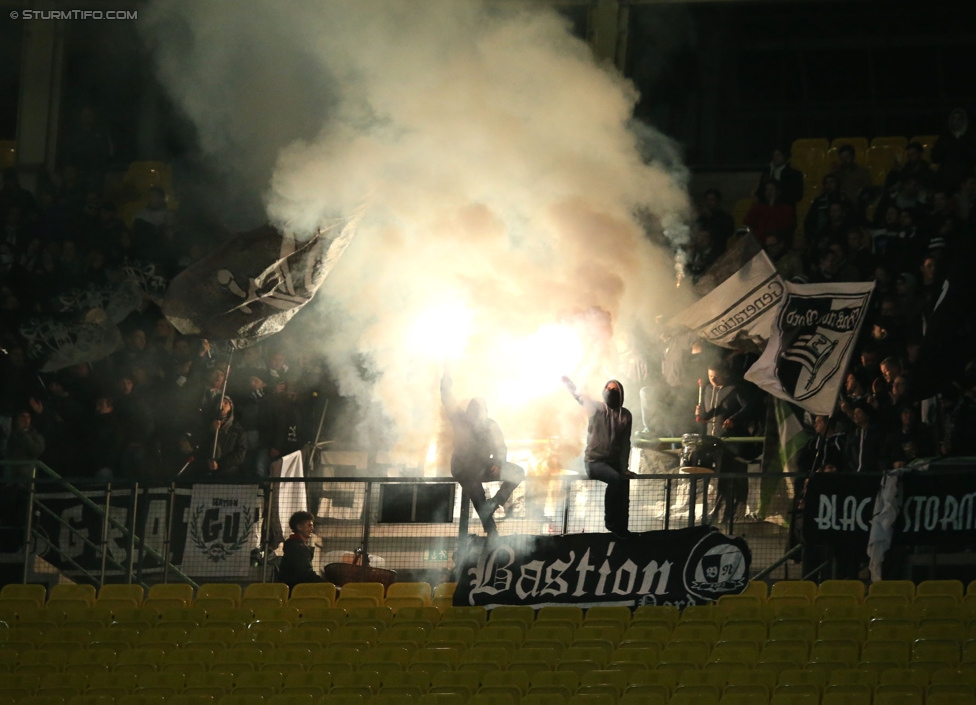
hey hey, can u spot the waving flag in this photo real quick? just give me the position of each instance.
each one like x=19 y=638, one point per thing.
x=810 y=343
x=253 y=285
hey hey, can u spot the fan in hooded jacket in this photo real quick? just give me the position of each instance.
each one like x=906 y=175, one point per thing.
x=480 y=455
x=607 y=455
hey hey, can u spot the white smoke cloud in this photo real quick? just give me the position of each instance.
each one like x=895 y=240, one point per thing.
x=502 y=183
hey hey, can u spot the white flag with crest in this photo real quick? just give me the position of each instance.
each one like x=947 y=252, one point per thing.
x=813 y=335
x=740 y=308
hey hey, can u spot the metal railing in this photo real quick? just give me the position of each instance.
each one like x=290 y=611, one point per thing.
x=409 y=524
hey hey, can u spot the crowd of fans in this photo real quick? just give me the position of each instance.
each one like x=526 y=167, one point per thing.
x=153 y=408
x=904 y=235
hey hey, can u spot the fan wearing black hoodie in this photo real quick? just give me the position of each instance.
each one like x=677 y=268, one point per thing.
x=480 y=455
x=607 y=455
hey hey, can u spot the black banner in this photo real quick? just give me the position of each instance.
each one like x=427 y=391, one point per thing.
x=682 y=567
x=938 y=508
x=838 y=508
x=70 y=531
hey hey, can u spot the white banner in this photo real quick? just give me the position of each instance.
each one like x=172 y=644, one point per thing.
x=291 y=495
x=741 y=307
x=223 y=527
x=811 y=341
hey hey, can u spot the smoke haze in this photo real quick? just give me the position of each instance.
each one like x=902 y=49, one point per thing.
x=507 y=199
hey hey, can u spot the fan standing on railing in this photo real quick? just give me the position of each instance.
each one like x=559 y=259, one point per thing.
x=607 y=455
x=480 y=455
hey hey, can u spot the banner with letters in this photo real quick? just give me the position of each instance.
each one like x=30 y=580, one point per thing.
x=740 y=308
x=223 y=527
x=838 y=509
x=810 y=344
x=937 y=508
x=682 y=567
x=69 y=531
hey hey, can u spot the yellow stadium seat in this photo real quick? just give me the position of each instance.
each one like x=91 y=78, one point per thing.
x=897 y=142
x=608 y=614
x=210 y=683
x=598 y=635
x=244 y=683
x=809 y=159
x=819 y=142
x=500 y=635
x=73 y=593
x=842 y=588
x=932 y=588
x=308 y=607
x=562 y=683
x=349 y=602
x=756 y=588
x=566 y=614
x=368 y=589
x=804 y=589
x=344 y=699
x=432 y=660
x=523 y=614
x=443 y=594
x=134 y=594
x=656 y=614
x=860 y=145
x=592 y=699
x=482 y=698
x=221 y=591
x=898 y=695
x=414 y=683
x=399 y=603
x=379 y=617
x=416 y=590
x=170 y=591
x=35 y=594
x=416 y=616
x=183 y=699
x=885 y=588
x=543 y=699
x=277 y=591
x=604 y=681
x=261 y=603
x=320 y=590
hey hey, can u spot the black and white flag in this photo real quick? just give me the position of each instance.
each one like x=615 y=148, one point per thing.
x=53 y=343
x=253 y=285
x=116 y=300
x=810 y=344
x=741 y=308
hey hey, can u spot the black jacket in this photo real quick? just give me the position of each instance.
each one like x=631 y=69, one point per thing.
x=296 y=563
x=607 y=432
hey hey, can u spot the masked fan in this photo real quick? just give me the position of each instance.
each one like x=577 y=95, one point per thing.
x=607 y=454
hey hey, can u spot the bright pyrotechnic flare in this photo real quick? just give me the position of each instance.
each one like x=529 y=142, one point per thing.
x=441 y=332
x=532 y=366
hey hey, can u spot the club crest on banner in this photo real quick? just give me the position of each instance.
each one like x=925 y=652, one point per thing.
x=223 y=527
x=818 y=331
x=218 y=536
x=715 y=567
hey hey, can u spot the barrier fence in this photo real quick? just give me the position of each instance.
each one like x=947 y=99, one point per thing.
x=134 y=533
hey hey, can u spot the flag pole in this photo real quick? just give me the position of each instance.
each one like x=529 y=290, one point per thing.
x=220 y=404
